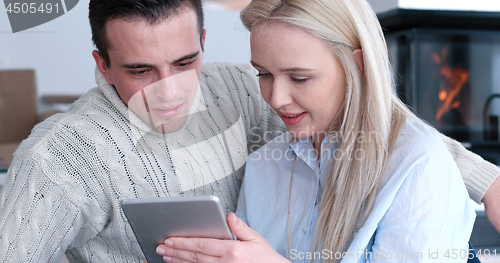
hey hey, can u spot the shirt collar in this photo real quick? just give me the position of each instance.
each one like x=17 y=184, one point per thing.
x=304 y=149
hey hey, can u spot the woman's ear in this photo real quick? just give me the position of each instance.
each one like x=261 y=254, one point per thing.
x=358 y=56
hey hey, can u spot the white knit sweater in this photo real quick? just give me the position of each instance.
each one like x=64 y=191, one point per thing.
x=64 y=185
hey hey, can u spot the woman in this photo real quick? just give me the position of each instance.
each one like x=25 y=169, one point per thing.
x=357 y=177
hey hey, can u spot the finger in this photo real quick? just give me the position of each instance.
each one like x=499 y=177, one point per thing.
x=176 y=255
x=241 y=230
x=206 y=246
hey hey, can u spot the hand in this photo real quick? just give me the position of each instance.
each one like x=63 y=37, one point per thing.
x=250 y=247
x=491 y=202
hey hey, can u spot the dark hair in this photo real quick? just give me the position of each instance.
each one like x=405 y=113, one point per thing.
x=151 y=11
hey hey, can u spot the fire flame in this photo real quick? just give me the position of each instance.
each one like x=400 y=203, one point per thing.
x=442 y=95
x=455 y=79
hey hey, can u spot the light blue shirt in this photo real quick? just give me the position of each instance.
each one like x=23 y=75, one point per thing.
x=422 y=212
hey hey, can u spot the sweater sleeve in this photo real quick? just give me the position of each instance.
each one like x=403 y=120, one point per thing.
x=477 y=173
x=38 y=222
x=42 y=211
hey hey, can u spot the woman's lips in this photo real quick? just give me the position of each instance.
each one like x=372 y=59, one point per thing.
x=292 y=118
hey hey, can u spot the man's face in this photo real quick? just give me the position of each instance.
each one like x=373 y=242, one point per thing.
x=155 y=68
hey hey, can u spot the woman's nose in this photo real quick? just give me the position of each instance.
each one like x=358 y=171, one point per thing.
x=280 y=94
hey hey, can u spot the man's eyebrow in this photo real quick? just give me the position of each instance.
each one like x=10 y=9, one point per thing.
x=186 y=57
x=136 y=65
x=144 y=65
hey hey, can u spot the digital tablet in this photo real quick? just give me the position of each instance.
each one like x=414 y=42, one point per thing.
x=153 y=220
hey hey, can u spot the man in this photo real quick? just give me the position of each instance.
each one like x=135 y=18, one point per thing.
x=67 y=179
x=65 y=183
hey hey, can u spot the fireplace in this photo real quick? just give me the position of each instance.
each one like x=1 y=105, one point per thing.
x=447 y=69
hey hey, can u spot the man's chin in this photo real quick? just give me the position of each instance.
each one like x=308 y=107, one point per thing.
x=170 y=126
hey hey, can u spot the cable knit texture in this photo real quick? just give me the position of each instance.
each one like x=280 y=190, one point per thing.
x=65 y=183
x=477 y=173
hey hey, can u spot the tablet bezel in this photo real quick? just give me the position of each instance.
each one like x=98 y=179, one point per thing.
x=153 y=220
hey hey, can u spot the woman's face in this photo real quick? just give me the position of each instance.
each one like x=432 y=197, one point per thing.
x=299 y=77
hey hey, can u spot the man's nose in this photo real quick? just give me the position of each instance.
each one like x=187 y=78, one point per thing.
x=165 y=88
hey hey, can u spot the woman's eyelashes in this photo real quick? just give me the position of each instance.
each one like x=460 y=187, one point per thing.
x=264 y=74
x=294 y=79
x=298 y=79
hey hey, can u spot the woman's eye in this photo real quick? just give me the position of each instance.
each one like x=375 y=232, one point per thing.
x=299 y=79
x=263 y=74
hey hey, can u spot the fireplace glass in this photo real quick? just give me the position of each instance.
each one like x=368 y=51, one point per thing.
x=451 y=79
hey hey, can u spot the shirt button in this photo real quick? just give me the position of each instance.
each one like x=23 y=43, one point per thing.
x=304 y=229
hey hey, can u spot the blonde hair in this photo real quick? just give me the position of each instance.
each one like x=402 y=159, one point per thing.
x=370 y=105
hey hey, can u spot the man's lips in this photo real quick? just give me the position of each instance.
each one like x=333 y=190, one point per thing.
x=292 y=118
x=166 y=112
